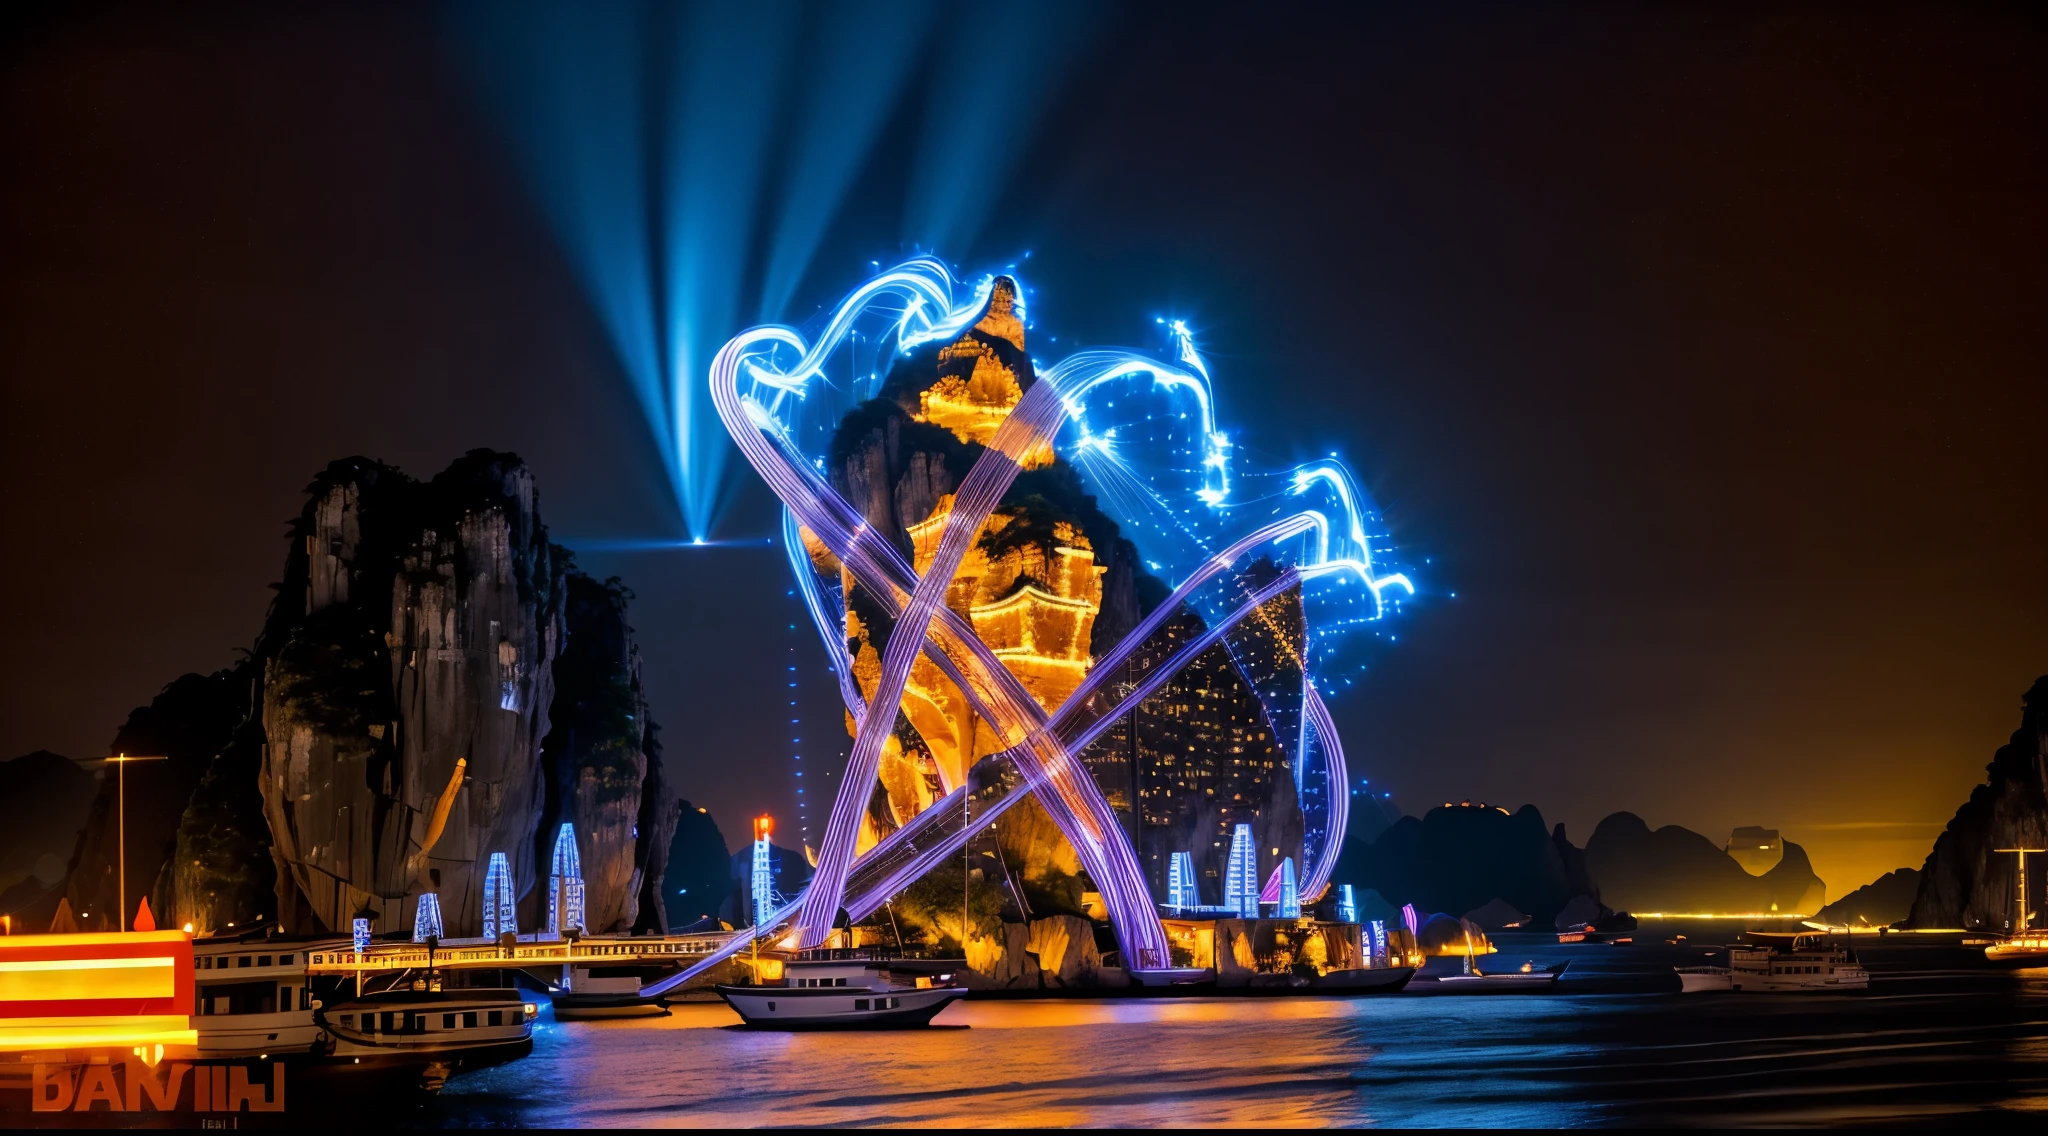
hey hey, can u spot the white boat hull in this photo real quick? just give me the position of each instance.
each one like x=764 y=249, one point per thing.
x=1704 y=980
x=1497 y=983
x=844 y=1007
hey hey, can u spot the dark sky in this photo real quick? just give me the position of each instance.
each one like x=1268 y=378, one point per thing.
x=1699 y=351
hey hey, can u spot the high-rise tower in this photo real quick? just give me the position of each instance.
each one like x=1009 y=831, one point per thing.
x=1241 y=879
x=1180 y=882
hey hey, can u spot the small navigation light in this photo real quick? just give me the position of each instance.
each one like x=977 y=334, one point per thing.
x=532 y=1010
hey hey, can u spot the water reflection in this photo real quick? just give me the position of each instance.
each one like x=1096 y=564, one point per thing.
x=1402 y=1060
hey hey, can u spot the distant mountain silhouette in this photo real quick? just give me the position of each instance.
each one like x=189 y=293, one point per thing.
x=1458 y=858
x=1885 y=901
x=1674 y=869
x=37 y=839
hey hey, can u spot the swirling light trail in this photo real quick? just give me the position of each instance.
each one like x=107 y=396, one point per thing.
x=1042 y=747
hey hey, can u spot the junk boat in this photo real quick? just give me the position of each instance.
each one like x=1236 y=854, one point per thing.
x=1795 y=962
x=841 y=989
x=1703 y=979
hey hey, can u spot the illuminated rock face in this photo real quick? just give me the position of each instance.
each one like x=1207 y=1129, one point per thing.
x=366 y=717
x=1030 y=583
x=422 y=625
x=979 y=380
x=1049 y=584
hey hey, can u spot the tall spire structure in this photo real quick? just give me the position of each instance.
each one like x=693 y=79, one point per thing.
x=1290 y=891
x=1241 y=879
x=1180 y=882
x=499 y=913
x=565 y=884
x=426 y=919
x=763 y=881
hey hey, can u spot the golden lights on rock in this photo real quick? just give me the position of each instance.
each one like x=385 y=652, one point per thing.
x=975 y=404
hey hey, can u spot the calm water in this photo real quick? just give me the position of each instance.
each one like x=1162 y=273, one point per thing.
x=1925 y=1049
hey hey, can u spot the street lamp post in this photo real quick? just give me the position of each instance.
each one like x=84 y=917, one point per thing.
x=122 y=761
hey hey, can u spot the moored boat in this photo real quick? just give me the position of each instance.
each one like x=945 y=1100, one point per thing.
x=461 y=1026
x=1528 y=980
x=1703 y=979
x=1796 y=962
x=836 y=989
x=608 y=992
x=252 y=998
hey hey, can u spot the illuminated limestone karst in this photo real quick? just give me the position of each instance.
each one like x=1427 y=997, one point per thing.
x=1048 y=583
x=394 y=724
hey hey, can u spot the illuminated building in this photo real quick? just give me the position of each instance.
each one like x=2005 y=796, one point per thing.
x=359 y=934
x=1347 y=904
x=1378 y=930
x=1198 y=758
x=1241 y=879
x=565 y=884
x=500 y=916
x=426 y=918
x=1181 y=892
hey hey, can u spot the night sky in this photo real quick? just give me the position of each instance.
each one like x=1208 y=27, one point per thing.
x=1699 y=352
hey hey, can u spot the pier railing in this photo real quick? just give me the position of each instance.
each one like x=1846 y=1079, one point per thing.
x=481 y=953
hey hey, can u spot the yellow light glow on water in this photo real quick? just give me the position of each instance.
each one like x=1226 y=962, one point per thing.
x=59 y=980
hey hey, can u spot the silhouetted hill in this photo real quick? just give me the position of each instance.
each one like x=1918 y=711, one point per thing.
x=1965 y=883
x=1677 y=870
x=1885 y=901
x=699 y=879
x=46 y=797
x=1457 y=858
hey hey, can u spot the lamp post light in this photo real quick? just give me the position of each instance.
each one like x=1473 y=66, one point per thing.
x=122 y=761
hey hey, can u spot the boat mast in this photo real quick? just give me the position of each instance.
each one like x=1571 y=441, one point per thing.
x=2020 y=927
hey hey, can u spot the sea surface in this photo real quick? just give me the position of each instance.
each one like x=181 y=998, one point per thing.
x=1925 y=1045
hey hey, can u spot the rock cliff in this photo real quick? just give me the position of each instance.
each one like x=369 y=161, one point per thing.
x=391 y=727
x=601 y=770
x=425 y=636
x=1965 y=882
